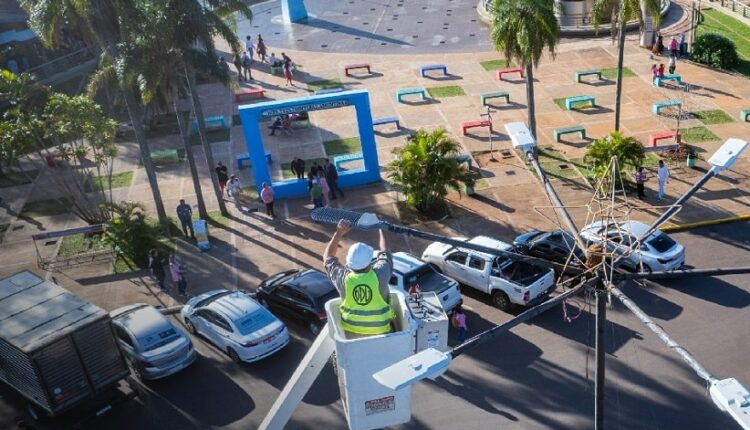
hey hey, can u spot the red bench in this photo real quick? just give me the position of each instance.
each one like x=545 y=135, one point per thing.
x=507 y=70
x=256 y=92
x=356 y=66
x=471 y=124
x=656 y=137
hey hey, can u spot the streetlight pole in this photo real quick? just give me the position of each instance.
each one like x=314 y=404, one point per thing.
x=489 y=118
x=601 y=320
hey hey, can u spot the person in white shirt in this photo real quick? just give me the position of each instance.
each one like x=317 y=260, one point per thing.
x=250 y=47
x=663 y=177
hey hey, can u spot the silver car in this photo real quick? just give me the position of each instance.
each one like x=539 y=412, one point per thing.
x=153 y=345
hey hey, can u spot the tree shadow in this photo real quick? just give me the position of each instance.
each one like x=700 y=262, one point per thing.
x=403 y=131
x=362 y=77
x=323 y=24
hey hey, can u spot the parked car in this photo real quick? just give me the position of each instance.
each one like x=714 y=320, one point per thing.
x=657 y=252
x=555 y=246
x=506 y=280
x=301 y=295
x=236 y=324
x=409 y=271
x=153 y=345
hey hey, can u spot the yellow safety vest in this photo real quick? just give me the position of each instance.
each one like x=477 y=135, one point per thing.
x=363 y=310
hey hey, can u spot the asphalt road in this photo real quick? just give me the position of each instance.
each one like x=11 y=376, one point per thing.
x=538 y=376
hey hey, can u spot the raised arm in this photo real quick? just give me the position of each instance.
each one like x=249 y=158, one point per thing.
x=383 y=242
x=333 y=245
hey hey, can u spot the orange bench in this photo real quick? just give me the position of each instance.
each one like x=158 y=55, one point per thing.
x=656 y=137
x=507 y=70
x=256 y=92
x=472 y=124
x=356 y=66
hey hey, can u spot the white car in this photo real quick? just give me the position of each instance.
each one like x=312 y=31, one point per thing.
x=657 y=252
x=236 y=324
x=410 y=271
x=153 y=345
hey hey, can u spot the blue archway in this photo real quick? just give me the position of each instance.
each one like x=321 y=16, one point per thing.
x=359 y=99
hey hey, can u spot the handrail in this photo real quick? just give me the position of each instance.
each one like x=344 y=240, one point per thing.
x=734 y=5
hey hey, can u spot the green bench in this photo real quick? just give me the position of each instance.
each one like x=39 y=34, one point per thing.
x=165 y=156
x=744 y=114
x=570 y=101
x=657 y=107
x=582 y=73
x=571 y=129
x=495 y=95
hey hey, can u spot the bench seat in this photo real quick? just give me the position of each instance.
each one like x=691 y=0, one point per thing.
x=570 y=101
x=424 y=69
x=495 y=95
x=582 y=73
x=217 y=121
x=245 y=156
x=341 y=159
x=387 y=120
x=473 y=124
x=509 y=70
x=570 y=129
x=668 y=77
x=654 y=138
x=255 y=92
x=657 y=107
x=744 y=115
x=408 y=91
x=349 y=67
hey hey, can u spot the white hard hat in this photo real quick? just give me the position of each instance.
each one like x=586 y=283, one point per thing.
x=359 y=256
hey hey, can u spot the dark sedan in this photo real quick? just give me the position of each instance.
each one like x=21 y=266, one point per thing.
x=300 y=295
x=554 y=245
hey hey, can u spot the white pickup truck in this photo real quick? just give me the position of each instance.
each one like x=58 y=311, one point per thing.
x=409 y=271
x=506 y=280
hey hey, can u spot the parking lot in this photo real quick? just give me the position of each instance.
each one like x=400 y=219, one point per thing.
x=537 y=376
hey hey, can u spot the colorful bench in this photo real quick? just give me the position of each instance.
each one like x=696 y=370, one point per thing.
x=668 y=77
x=509 y=70
x=255 y=92
x=246 y=157
x=656 y=137
x=495 y=95
x=570 y=101
x=582 y=73
x=425 y=69
x=657 y=107
x=388 y=120
x=744 y=114
x=571 y=129
x=408 y=91
x=464 y=158
x=211 y=122
x=341 y=159
x=349 y=67
x=165 y=156
x=328 y=91
x=472 y=124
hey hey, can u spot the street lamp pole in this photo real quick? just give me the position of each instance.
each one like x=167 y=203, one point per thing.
x=489 y=118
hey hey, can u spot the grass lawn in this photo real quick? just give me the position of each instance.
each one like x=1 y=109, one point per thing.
x=651 y=160
x=324 y=84
x=80 y=243
x=119 y=180
x=286 y=168
x=713 y=116
x=347 y=145
x=714 y=21
x=447 y=91
x=11 y=179
x=3 y=229
x=611 y=73
x=554 y=164
x=213 y=136
x=697 y=135
x=490 y=65
x=217 y=217
x=44 y=208
x=578 y=105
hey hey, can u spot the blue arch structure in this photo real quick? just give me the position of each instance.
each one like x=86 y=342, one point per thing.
x=293 y=10
x=359 y=99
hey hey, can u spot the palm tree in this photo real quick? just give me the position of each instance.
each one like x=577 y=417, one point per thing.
x=620 y=12
x=426 y=169
x=522 y=30
x=629 y=152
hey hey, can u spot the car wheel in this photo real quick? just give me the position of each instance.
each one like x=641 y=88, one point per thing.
x=191 y=328
x=314 y=328
x=233 y=355
x=500 y=300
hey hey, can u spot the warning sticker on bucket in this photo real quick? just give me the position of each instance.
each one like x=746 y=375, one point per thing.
x=383 y=404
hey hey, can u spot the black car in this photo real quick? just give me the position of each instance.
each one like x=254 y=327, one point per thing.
x=555 y=246
x=301 y=295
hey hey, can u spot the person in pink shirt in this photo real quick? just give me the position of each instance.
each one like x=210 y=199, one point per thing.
x=325 y=188
x=459 y=322
x=177 y=270
x=266 y=194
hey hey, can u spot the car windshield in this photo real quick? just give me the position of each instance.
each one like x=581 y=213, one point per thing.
x=661 y=242
x=427 y=279
x=254 y=322
x=160 y=339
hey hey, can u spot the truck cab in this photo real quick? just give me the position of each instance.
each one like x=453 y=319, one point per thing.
x=409 y=271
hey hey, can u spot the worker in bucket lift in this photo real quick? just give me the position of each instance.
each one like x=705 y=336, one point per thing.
x=362 y=284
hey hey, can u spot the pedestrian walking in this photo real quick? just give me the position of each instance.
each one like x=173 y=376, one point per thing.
x=683 y=45
x=459 y=322
x=261 y=49
x=237 y=61
x=673 y=46
x=287 y=68
x=659 y=45
x=654 y=73
x=185 y=215
x=640 y=179
x=332 y=176
x=221 y=174
x=266 y=194
x=298 y=167
x=246 y=63
x=156 y=265
x=177 y=270
x=663 y=177
x=235 y=189
x=249 y=46
x=660 y=72
x=672 y=63
x=324 y=188
x=316 y=194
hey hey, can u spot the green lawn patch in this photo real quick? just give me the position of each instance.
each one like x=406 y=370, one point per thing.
x=324 y=84
x=44 y=208
x=577 y=105
x=348 y=145
x=611 y=73
x=713 y=116
x=119 y=180
x=80 y=243
x=3 y=229
x=697 y=135
x=11 y=179
x=212 y=135
x=446 y=91
x=491 y=65
x=286 y=168
x=555 y=164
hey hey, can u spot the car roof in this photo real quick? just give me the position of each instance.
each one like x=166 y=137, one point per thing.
x=234 y=305
x=403 y=262
x=636 y=228
x=489 y=243
x=314 y=282
x=142 y=320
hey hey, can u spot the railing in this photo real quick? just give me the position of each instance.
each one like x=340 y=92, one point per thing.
x=735 y=6
x=53 y=67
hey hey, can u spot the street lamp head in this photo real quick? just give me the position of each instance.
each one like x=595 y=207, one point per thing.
x=725 y=157
x=429 y=363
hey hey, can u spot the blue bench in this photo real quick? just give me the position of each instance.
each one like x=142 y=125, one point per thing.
x=579 y=99
x=246 y=157
x=424 y=69
x=405 y=92
x=657 y=107
x=668 y=77
x=388 y=120
x=328 y=91
x=571 y=129
x=211 y=122
x=464 y=158
x=495 y=95
x=583 y=73
x=341 y=159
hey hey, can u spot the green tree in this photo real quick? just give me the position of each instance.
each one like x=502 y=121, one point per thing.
x=619 y=12
x=426 y=169
x=629 y=152
x=130 y=233
x=522 y=30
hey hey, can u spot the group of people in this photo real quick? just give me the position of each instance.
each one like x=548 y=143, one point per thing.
x=284 y=122
x=662 y=177
x=176 y=270
x=230 y=183
x=675 y=48
x=322 y=181
x=244 y=60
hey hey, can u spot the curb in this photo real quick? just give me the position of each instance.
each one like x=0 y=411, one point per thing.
x=683 y=227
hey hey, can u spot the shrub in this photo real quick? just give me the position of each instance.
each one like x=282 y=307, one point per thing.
x=715 y=50
x=131 y=233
